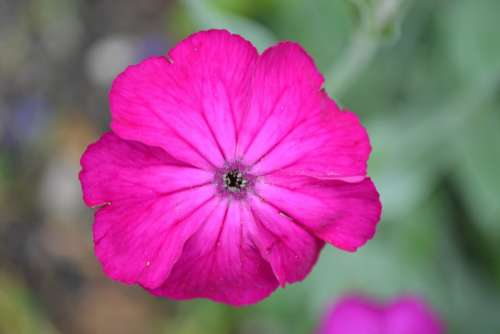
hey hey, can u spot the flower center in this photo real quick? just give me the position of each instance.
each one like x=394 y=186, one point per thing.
x=234 y=181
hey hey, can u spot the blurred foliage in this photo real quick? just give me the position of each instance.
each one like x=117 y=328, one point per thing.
x=424 y=76
x=18 y=313
x=471 y=29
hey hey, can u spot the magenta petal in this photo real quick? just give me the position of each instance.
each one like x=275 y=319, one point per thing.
x=220 y=262
x=341 y=213
x=219 y=67
x=358 y=315
x=292 y=123
x=226 y=172
x=291 y=251
x=284 y=85
x=186 y=102
x=139 y=242
x=354 y=315
x=114 y=169
x=151 y=207
x=410 y=315
x=329 y=143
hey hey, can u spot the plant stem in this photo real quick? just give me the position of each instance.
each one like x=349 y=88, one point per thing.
x=364 y=45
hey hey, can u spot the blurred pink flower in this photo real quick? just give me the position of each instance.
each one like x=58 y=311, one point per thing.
x=358 y=315
x=225 y=172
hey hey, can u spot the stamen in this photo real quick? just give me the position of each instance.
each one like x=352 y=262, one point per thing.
x=234 y=180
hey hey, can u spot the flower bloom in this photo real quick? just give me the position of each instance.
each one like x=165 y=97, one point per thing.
x=358 y=315
x=225 y=172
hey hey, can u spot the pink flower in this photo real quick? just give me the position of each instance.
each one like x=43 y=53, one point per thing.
x=358 y=315
x=225 y=172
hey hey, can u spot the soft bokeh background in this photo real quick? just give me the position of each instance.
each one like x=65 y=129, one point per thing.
x=423 y=75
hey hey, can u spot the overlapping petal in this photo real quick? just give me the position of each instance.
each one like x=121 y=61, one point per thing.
x=342 y=213
x=293 y=124
x=186 y=102
x=163 y=222
x=291 y=250
x=115 y=169
x=151 y=206
x=284 y=86
x=328 y=144
x=221 y=262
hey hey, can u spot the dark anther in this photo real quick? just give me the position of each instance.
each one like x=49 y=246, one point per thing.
x=234 y=180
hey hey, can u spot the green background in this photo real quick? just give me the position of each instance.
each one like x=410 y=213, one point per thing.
x=423 y=75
